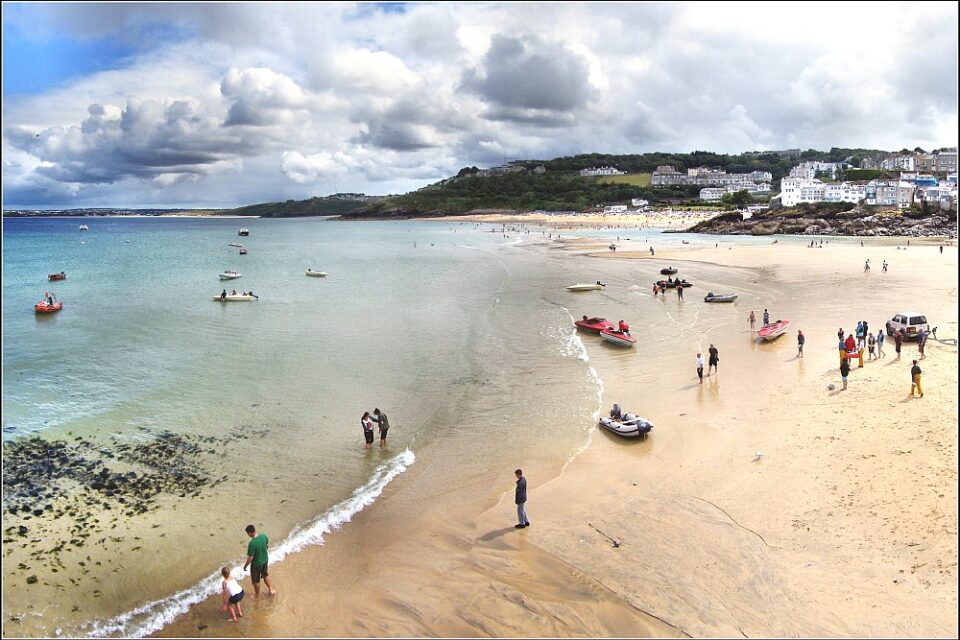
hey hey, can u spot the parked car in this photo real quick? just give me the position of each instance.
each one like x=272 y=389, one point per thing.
x=910 y=321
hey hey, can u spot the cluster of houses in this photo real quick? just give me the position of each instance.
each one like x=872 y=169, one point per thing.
x=806 y=184
x=944 y=161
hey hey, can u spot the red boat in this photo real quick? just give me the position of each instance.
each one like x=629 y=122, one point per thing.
x=57 y=276
x=596 y=325
x=774 y=330
x=44 y=307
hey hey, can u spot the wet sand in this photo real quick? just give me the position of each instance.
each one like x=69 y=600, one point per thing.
x=845 y=526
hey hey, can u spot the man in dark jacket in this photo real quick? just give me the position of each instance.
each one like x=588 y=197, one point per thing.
x=384 y=425
x=520 y=497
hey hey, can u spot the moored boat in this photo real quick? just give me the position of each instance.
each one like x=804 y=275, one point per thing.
x=616 y=337
x=666 y=284
x=230 y=275
x=243 y=232
x=57 y=276
x=316 y=274
x=775 y=330
x=45 y=307
x=235 y=244
x=243 y=252
x=596 y=325
x=629 y=426
x=586 y=287
x=668 y=271
x=725 y=297
x=84 y=227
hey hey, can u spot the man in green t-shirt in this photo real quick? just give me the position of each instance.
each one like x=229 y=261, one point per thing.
x=257 y=560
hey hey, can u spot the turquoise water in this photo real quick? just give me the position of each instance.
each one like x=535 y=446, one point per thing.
x=444 y=326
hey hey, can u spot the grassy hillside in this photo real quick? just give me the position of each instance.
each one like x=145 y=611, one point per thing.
x=327 y=206
x=636 y=179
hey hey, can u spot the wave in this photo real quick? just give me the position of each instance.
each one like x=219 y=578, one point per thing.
x=153 y=616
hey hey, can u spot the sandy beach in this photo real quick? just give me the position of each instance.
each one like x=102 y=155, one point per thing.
x=846 y=525
x=653 y=219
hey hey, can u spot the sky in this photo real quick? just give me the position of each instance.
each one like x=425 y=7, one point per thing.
x=216 y=105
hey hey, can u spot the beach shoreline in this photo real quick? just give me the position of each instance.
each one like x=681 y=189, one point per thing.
x=845 y=526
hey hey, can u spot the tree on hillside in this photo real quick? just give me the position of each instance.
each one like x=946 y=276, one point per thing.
x=739 y=199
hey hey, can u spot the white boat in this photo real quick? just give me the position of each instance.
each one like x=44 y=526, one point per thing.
x=725 y=297
x=586 y=287
x=618 y=338
x=231 y=298
x=629 y=426
x=235 y=244
x=84 y=227
x=230 y=275
x=243 y=232
x=316 y=274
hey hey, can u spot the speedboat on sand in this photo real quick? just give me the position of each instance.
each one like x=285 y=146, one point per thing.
x=628 y=426
x=230 y=275
x=316 y=274
x=617 y=338
x=586 y=287
x=596 y=325
x=775 y=330
x=726 y=297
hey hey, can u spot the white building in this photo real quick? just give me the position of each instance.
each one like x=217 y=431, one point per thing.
x=712 y=194
x=602 y=171
x=615 y=208
x=639 y=202
x=809 y=170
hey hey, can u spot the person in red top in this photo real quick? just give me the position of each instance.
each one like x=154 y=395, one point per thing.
x=850 y=343
x=624 y=327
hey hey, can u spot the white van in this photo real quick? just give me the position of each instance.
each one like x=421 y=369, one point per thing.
x=910 y=321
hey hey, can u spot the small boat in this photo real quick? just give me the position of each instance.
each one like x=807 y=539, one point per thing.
x=57 y=276
x=45 y=307
x=84 y=227
x=230 y=275
x=629 y=426
x=316 y=274
x=586 y=287
x=234 y=298
x=243 y=232
x=684 y=242
x=668 y=271
x=617 y=338
x=726 y=297
x=596 y=325
x=663 y=284
x=243 y=252
x=775 y=330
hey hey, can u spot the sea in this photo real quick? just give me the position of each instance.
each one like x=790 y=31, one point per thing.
x=146 y=424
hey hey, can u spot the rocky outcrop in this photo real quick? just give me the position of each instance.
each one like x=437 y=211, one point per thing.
x=853 y=222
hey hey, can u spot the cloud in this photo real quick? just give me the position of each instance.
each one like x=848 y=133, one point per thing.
x=227 y=102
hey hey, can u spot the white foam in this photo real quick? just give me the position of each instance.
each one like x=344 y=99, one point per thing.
x=153 y=616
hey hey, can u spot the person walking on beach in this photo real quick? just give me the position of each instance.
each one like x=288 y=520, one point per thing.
x=753 y=320
x=714 y=359
x=915 y=379
x=232 y=595
x=766 y=318
x=800 y=341
x=700 y=367
x=859 y=332
x=871 y=345
x=257 y=560
x=367 y=424
x=898 y=342
x=884 y=266
x=880 y=353
x=922 y=343
x=384 y=425
x=840 y=334
x=520 y=498
x=866 y=265
x=941 y=249
x=844 y=372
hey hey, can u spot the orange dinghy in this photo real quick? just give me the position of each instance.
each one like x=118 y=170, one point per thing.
x=44 y=307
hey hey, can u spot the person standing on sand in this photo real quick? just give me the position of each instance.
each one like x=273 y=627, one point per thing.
x=898 y=342
x=941 y=249
x=915 y=379
x=714 y=359
x=922 y=343
x=880 y=353
x=700 y=367
x=520 y=498
x=257 y=560
x=753 y=320
x=232 y=594
x=800 y=341
x=866 y=265
x=844 y=372
x=884 y=266
x=384 y=425
x=850 y=344
x=871 y=345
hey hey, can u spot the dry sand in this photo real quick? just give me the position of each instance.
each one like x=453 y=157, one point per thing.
x=654 y=219
x=846 y=526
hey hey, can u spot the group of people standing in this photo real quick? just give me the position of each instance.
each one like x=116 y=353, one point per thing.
x=367 y=420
